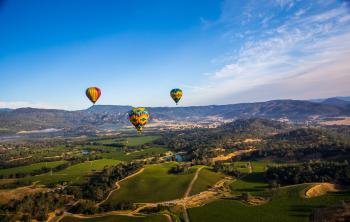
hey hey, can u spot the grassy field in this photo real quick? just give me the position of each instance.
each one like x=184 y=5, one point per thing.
x=149 y=151
x=19 y=193
x=253 y=183
x=117 y=154
x=152 y=218
x=130 y=141
x=5 y=130
x=139 y=140
x=75 y=173
x=153 y=185
x=7 y=181
x=286 y=205
x=241 y=166
x=206 y=179
x=31 y=168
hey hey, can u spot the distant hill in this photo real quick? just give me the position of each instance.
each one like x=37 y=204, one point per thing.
x=5 y=110
x=292 y=109
x=336 y=102
x=344 y=98
x=340 y=101
x=108 y=109
x=304 y=135
x=113 y=116
x=255 y=126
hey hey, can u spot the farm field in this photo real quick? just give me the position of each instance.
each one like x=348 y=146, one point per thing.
x=117 y=218
x=287 y=205
x=148 y=151
x=117 y=154
x=7 y=181
x=31 y=168
x=254 y=183
x=242 y=166
x=152 y=185
x=140 y=140
x=5 y=130
x=130 y=141
x=75 y=173
x=206 y=179
x=7 y=195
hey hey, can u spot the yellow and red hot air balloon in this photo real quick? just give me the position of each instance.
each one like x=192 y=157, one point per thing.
x=176 y=95
x=93 y=93
x=139 y=118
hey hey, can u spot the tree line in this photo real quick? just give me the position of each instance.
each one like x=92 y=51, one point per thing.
x=320 y=171
x=71 y=161
x=98 y=186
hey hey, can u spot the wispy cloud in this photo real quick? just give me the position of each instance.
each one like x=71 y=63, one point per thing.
x=301 y=48
x=285 y=3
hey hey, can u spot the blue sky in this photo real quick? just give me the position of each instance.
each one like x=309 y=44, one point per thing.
x=218 y=52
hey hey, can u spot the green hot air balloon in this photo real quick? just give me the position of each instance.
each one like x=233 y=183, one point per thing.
x=176 y=95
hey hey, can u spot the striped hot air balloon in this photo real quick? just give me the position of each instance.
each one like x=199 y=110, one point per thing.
x=93 y=93
x=176 y=94
x=139 y=118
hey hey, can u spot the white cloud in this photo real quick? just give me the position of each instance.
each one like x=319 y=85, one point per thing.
x=300 y=12
x=303 y=54
x=285 y=3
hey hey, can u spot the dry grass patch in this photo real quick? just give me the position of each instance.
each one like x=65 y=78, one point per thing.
x=7 y=181
x=345 y=122
x=19 y=193
x=251 y=140
x=255 y=201
x=233 y=154
x=321 y=189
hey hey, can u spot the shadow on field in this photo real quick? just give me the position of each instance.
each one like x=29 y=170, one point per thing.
x=302 y=210
x=254 y=178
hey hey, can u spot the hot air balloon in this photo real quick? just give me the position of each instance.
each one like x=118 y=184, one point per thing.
x=138 y=117
x=93 y=93
x=176 y=94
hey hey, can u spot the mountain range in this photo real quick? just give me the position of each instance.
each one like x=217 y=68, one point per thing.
x=115 y=116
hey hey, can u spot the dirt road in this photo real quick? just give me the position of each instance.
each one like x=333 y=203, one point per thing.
x=117 y=185
x=189 y=188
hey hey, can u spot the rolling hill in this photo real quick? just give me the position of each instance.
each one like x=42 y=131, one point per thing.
x=114 y=116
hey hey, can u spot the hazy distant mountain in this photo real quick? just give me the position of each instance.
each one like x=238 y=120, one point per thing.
x=344 y=98
x=336 y=102
x=105 y=116
x=108 y=109
x=5 y=110
x=292 y=109
x=341 y=101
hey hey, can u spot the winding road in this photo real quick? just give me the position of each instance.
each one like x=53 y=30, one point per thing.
x=117 y=185
x=184 y=201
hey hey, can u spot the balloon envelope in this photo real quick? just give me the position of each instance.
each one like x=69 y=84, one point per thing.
x=176 y=95
x=93 y=93
x=139 y=118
